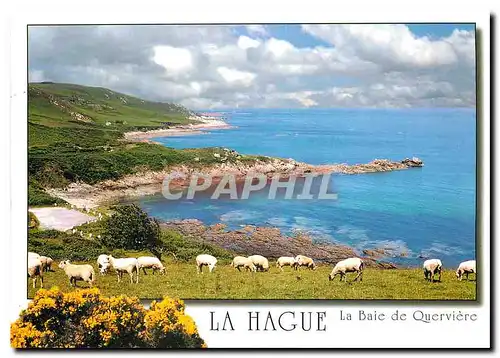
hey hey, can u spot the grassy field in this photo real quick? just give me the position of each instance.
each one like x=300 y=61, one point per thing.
x=225 y=282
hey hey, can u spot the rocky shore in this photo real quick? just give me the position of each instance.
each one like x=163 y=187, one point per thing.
x=148 y=183
x=269 y=242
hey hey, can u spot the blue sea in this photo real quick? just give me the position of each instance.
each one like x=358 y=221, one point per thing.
x=420 y=212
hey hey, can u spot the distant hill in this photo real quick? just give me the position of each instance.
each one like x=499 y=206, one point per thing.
x=70 y=105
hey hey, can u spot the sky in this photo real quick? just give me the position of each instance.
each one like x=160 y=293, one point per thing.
x=269 y=66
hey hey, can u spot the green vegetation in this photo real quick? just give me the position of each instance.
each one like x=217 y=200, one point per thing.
x=70 y=105
x=75 y=135
x=140 y=234
x=33 y=222
x=67 y=246
x=226 y=282
x=131 y=228
x=38 y=197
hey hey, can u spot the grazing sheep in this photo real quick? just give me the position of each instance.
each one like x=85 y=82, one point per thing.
x=205 y=260
x=466 y=268
x=285 y=261
x=128 y=265
x=33 y=255
x=103 y=264
x=150 y=262
x=245 y=262
x=353 y=264
x=301 y=260
x=432 y=267
x=46 y=262
x=260 y=262
x=78 y=273
x=35 y=269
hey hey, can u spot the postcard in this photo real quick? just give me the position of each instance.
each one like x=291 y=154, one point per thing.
x=209 y=185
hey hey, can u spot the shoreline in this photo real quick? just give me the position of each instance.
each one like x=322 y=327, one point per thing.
x=89 y=196
x=181 y=130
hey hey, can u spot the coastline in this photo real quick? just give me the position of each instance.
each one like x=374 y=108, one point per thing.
x=205 y=123
x=83 y=195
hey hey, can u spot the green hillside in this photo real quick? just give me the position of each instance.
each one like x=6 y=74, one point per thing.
x=69 y=105
x=76 y=135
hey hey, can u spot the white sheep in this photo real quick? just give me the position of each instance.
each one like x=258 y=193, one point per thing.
x=301 y=260
x=78 y=272
x=46 y=262
x=260 y=262
x=150 y=262
x=205 y=260
x=285 y=261
x=466 y=268
x=353 y=264
x=33 y=255
x=128 y=265
x=245 y=262
x=35 y=269
x=103 y=263
x=432 y=267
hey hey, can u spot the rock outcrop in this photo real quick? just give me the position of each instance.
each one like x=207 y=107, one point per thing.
x=413 y=162
x=269 y=242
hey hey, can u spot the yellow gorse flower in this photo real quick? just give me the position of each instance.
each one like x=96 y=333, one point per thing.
x=84 y=318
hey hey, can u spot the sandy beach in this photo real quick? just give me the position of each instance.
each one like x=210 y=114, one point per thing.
x=206 y=123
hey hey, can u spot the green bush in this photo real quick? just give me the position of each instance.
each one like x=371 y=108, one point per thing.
x=131 y=228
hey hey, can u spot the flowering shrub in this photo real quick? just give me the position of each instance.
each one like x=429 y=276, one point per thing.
x=168 y=327
x=85 y=319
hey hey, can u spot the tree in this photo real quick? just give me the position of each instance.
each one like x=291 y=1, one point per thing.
x=132 y=229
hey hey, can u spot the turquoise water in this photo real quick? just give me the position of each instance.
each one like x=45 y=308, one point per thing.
x=425 y=212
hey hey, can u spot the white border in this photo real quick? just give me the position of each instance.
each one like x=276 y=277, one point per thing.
x=254 y=11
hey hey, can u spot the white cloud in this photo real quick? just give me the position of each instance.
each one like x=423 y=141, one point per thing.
x=257 y=30
x=231 y=75
x=245 y=42
x=394 y=44
x=278 y=48
x=216 y=66
x=175 y=60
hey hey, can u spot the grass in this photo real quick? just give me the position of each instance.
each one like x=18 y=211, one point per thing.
x=225 y=282
x=51 y=104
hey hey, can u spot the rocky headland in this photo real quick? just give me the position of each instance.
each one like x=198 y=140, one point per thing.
x=147 y=183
